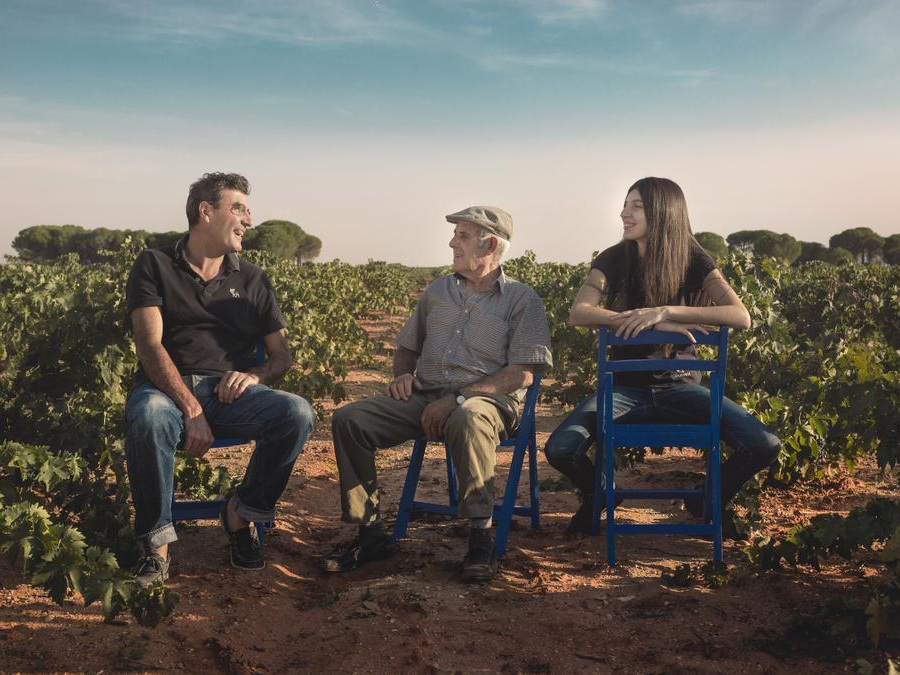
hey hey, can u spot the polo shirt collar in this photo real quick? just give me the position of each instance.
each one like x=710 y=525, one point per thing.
x=231 y=263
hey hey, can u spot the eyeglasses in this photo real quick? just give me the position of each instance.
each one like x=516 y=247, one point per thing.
x=239 y=209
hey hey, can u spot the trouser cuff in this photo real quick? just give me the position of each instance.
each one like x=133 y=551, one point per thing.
x=251 y=514
x=476 y=506
x=158 y=537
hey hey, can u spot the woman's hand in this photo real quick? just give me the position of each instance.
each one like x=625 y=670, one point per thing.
x=631 y=322
x=683 y=328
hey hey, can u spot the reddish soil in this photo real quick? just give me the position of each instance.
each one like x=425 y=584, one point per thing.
x=554 y=607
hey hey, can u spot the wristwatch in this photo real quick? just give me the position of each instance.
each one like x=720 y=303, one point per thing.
x=458 y=395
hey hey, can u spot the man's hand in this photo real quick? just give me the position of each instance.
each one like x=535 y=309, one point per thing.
x=197 y=435
x=233 y=384
x=435 y=415
x=631 y=322
x=403 y=386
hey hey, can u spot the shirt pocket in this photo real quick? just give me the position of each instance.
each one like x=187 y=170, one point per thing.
x=442 y=319
x=487 y=337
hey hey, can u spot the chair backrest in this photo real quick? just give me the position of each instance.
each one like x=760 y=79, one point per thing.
x=717 y=338
x=260 y=352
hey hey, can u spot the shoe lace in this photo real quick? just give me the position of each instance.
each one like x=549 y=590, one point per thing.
x=149 y=565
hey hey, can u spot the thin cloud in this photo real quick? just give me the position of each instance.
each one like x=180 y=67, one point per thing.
x=311 y=22
x=562 y=11
x=341 y=22
x=732 y=11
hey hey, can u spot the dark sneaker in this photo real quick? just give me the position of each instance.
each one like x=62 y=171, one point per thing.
x=581 y=521
x=367 y=547
x=480 y=563
x=246 y=553
x=694 y=506
x=153 y=569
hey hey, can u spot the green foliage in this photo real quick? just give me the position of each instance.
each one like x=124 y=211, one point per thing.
x=283 y=239
x=838 y=256
x=46 y=243
x=831 y=534
x=152 y=604
x=713 y=243
x=865 y=245
x=811 y=250
x=782 y=247
x=710 y=574
x=828 y=534
x=892 y=249
x=66 y=363
x=574 y=349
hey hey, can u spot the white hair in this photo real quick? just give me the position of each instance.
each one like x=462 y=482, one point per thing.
x=502 y=244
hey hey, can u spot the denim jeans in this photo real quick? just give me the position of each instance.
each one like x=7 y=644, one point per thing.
x=753 y=446
x=279 y=422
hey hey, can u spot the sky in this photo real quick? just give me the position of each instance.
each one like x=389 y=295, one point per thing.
x=366 y=122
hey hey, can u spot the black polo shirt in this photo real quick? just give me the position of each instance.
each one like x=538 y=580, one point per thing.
x=209 y=327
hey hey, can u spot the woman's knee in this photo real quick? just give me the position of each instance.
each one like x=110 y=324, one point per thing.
x=572 y=437
x=770 y=448
x=562 y=445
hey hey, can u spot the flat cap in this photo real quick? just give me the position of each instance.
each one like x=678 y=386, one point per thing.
x=494 y=220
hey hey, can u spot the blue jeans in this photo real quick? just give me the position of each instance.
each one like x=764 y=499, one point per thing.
x=753 y=446
x=279 y=422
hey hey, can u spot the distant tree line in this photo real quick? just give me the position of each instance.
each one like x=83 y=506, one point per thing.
x=43 y=243
x=858 y=244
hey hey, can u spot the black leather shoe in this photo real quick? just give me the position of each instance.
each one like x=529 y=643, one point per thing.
x=365 y=548
x=480 y=563
x=246 y=553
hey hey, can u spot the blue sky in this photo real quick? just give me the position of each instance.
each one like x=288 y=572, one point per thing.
x=366 y=122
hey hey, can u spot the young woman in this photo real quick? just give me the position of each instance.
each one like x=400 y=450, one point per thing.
x=657 y=277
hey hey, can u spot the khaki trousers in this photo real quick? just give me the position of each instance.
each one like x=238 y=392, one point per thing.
x=472 y=433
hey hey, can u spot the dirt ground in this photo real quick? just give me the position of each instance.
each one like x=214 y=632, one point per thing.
x=555 y=606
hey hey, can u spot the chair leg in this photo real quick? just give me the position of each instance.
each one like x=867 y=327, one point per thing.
x=716 y=501
x=409 y=489
x=509 y=499
x=610 y=457
x=598 y=490
x=452 y=490
x=534 y=494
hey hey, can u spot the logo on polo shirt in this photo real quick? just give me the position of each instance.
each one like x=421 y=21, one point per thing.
x=234 y=293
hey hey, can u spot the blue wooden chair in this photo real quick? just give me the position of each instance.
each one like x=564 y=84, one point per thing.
x=522 y=442
x=616 y=435
x=208 y=509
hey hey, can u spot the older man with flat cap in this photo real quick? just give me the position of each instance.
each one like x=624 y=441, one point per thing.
x=462 y=364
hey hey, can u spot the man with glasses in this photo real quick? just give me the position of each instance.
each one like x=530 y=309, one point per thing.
x=198 y=312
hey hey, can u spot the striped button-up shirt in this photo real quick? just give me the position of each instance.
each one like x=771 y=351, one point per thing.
x=462 y=336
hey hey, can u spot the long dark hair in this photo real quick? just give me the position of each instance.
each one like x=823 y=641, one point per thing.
x=657 y=278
